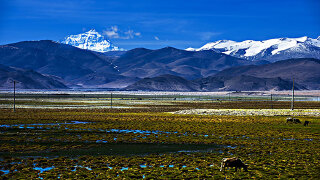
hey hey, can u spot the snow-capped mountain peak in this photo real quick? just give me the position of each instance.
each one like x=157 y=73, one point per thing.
x=91 y=40
x=272 y=49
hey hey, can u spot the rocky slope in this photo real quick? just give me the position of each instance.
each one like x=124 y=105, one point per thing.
x=143 y=63
x=27 y=79
x=275 y=76
x=304 y=71
x=237 y=83
x=75 y=66
x=164 y=83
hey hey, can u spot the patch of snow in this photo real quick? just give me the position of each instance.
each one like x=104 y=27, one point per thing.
x=190 y=49
x=314 y=42
x=302 y=39
x=287 y=44
x=221 y=44
x=228 y=52
x=257 y=46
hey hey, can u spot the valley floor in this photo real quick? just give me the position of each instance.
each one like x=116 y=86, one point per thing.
x=144 y=139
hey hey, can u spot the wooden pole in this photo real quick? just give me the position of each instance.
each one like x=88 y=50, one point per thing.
x=292 y=102
x=111 y=101
x=14 y=96
x=271 y=102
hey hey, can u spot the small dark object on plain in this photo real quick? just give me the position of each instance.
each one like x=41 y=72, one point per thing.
x=289 y=119
x=306 y=123
x=233 y=162
x=296 y=120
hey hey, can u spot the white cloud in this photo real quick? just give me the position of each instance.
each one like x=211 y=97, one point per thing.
x=156 y=38
x=115 y=33
x=112 y=32
x=129 y=34
x=137 y=34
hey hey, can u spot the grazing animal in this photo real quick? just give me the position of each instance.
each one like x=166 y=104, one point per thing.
x=306 y=123
x=233 y=162
x=296 y=120
x=289 y=119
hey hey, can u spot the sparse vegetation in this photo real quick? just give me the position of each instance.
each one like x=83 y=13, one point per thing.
x=147 y=142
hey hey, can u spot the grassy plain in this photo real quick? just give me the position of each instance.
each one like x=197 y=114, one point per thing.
x=143 y=140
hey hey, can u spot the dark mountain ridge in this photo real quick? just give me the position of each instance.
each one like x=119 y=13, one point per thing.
x=304 y=71
x=143 y=63
x=275 y=76
x=85 y=68
x=72 y=64
x=27 y=79
x=88 y=69
x=165 y=82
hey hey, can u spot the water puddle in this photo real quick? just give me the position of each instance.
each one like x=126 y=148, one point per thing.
x=43 y=169
x=78 y=166
x=4 y=171
x=38 y=125
x=124 y=168
x=145 y=133
x=101 y=141
x=294 y=139
x=136 y=131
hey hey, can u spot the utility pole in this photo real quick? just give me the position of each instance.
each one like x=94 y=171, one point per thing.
x=292 y=102
x=14 y=96
x=271 y=101
x=111 y=99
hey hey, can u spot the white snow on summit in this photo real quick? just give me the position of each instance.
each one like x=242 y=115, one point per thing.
x=251 y=49
x=190 y=49
x=90 y=40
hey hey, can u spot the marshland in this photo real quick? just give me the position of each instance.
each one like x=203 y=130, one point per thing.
x=157 y=135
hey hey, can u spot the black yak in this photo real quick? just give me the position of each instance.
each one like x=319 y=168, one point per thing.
x=296 y=120
x=233 y=162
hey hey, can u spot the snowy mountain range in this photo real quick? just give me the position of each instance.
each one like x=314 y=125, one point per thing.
x=271 y=50
x=61 y=65
x=91 y=40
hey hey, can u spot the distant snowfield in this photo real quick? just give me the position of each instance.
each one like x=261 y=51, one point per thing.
x=252 y=112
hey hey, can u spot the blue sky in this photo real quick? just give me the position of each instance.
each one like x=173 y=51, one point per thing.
x=159 y=23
